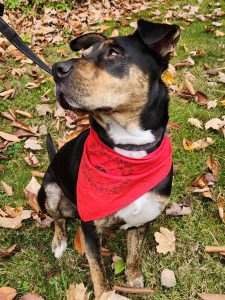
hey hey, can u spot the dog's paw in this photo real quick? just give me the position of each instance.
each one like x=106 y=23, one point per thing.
x=137 y=282
x=59 y=247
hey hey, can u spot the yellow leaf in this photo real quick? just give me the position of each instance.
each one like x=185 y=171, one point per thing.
x=188 y=145
x=167 y=78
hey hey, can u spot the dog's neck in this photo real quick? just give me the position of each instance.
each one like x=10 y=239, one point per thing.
x=131 y=140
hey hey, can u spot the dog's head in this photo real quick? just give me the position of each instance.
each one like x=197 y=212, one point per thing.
x=115 y=74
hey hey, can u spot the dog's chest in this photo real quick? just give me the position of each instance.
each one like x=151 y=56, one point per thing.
x=144 y=209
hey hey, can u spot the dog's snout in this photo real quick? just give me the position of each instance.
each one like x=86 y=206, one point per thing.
x=62 y=69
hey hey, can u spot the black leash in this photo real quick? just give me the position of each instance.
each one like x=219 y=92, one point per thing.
x=13 y=38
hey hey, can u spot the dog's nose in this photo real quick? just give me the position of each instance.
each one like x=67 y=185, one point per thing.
x=62 y=69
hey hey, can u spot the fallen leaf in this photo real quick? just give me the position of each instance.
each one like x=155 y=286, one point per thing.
x=9 y=137
x=203 y=143
x=7 y=293
x=211 y=104
x=166 y=240
x=13 y=212
x=43 y=109
x=8 y=252
x=119 y=266
x=31 y=296
x=79 y=242
x=188 y=85
x=201 y=98
x=42 y=130
x=32 y=144
x=180 y=209
x=42 y=220
x=77 y=292
x=205 y=296
x=31 y=160
x=15 y=223
x=221 y=207
x=219 y=33
x=37 y=174
x=195 y=122
x=221 y=77
x=215 y=123
x=7 y=188
x=24 y=113
x=213 y=165
x=188 y=145
x=8 y=93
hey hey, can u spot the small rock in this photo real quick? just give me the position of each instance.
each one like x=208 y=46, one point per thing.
x=168 y=278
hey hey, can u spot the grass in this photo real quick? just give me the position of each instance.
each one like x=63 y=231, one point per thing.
x=33 y=267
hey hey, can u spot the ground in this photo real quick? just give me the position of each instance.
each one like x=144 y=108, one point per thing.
x=33 y=267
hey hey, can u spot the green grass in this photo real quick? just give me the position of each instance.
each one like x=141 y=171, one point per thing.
x=33 y=267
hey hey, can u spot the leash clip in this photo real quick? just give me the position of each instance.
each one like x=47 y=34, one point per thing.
x=1 y=9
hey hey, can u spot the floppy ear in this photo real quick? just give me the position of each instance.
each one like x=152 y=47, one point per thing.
x=161 y=38
x=85 y=41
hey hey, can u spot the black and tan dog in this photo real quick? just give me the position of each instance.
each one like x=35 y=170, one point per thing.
x=118 y=82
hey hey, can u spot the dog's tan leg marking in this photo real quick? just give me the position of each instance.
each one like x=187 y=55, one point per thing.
x=57 y=207
x=133 y=270
x=59 y=241
x=97 y=271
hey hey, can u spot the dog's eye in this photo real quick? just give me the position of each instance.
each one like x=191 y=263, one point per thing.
x=113 y=52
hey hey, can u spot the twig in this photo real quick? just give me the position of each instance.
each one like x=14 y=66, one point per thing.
x=126 y=289
x=211 y=249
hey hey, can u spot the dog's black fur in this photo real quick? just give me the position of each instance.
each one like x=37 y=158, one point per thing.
x=109 y=62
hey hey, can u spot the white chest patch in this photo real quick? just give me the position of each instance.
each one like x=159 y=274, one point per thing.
x=141 y=211
x=150 y=205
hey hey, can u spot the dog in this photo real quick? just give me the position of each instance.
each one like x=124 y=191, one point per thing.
x=117 y=81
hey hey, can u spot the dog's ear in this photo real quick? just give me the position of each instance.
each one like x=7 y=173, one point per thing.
x=85 y=41
x=161 y=38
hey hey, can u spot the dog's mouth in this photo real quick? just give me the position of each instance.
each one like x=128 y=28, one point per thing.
x=62 y=100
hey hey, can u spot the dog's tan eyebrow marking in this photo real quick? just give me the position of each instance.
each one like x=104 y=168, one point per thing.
x=106 y=44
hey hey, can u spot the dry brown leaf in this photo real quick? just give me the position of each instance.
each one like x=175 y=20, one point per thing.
x=197 y=145
x=221 y=207
x=8 y=252
x=37 y=174
x=166 y=240
x=205 y=296
x=201 y=98
x=221 y=77
x=9 y=137
x=31 y=296
x=43 y=109
x=203 y=143
x=188 y=145
x=32 y=144
x=31 y=160
x=42 y=220
x=77 y=292
x=79 y=242
x=7 y=188
x=7 y=293
x=195 y=122
x=15 y=222
x=188 y=85
x=8 y=93
x=211 y=104
x=213 y=165
x=33 y=186
x=24 y=113
x=180 y=209
x=13 y=212
x=215 y=123
x=219 y=33
x=112 y=296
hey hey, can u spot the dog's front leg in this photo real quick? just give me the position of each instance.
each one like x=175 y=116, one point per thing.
x=93 y=254
x=133 y=268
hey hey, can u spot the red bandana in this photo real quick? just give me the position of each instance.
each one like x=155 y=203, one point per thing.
x=108 y=181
